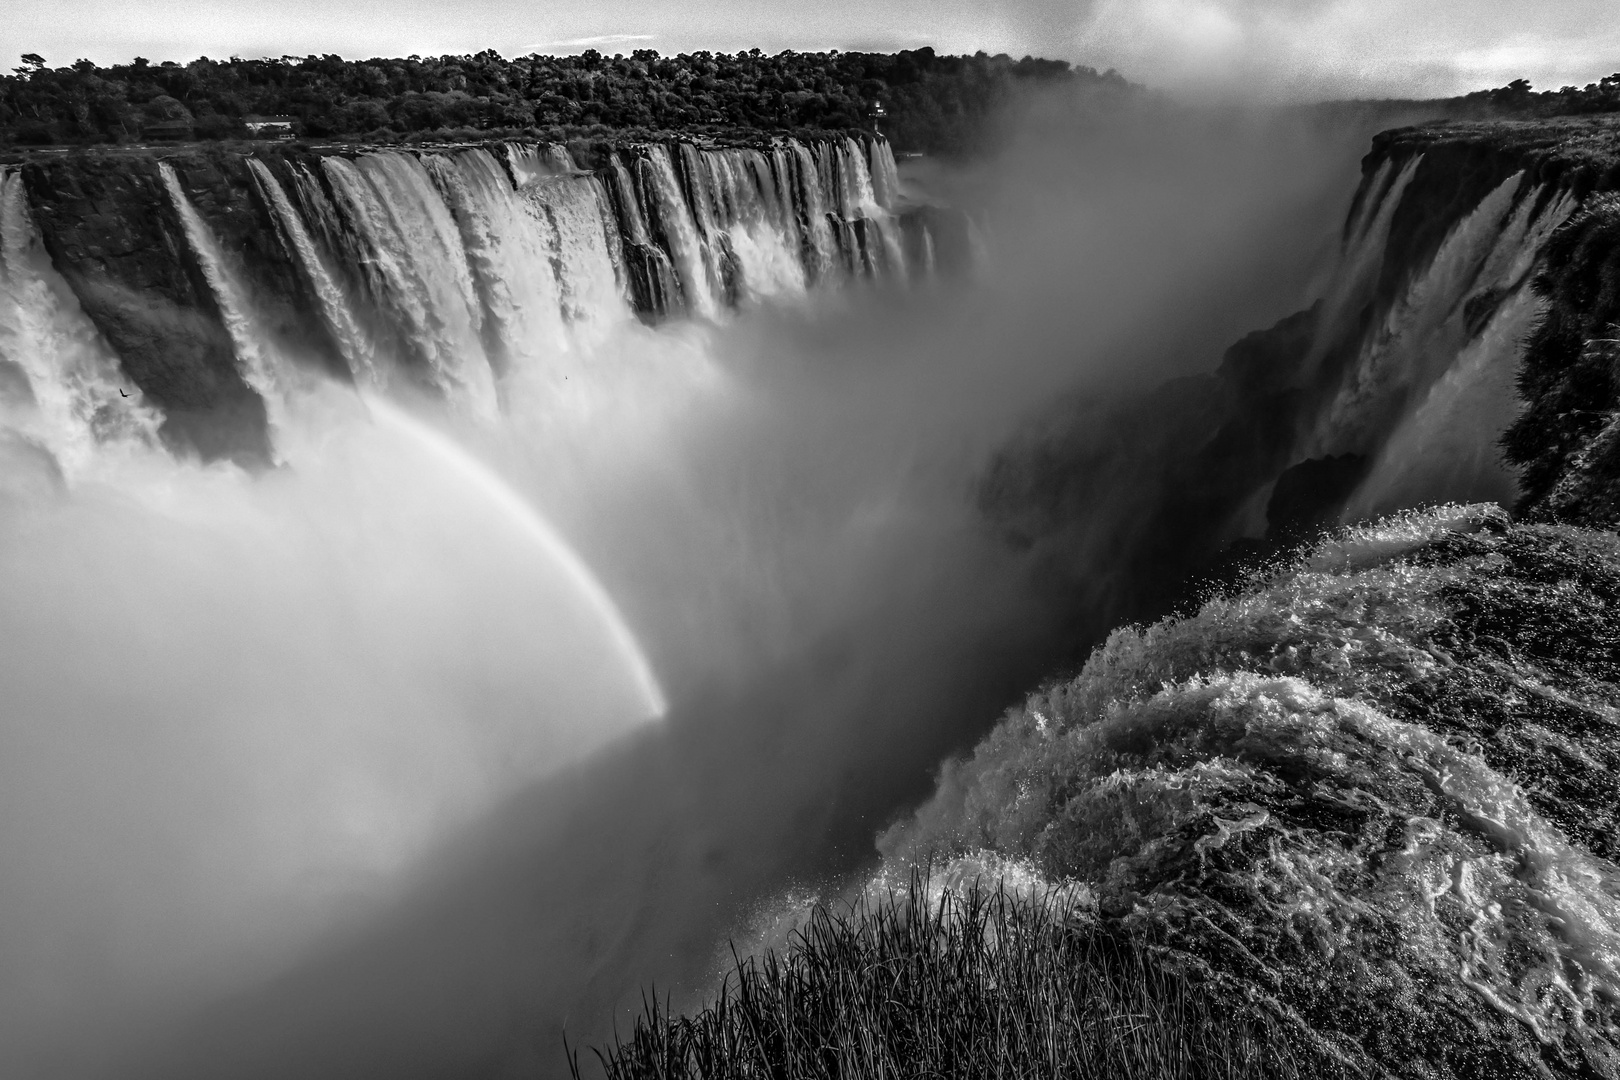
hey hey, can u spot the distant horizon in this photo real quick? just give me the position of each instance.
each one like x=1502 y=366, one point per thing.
x=1271 y=49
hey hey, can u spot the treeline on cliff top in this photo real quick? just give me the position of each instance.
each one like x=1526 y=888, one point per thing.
x=921 y=100
x=1520 y=98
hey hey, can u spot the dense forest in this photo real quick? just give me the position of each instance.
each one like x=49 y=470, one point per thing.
x=1519 y=97
x=921 y=100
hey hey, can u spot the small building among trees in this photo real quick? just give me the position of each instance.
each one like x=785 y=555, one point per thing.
x=270 y=127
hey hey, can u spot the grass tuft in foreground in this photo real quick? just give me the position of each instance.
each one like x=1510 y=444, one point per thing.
x=990 y=983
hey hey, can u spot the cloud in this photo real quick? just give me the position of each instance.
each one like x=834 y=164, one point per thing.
x=1285 y=48
x=591 y=42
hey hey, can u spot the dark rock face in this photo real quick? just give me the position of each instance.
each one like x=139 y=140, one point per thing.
x=116 y=239
x=1309 y=496
x=940 y=236
x=1154 y=487
x=1567 y=442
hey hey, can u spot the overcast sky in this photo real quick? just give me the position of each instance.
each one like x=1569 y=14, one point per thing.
x=1287 y=47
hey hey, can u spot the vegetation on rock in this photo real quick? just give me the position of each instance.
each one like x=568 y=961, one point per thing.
x=965 y=983
x=1567 y=442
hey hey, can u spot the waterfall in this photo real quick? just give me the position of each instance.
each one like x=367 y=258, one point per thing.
x=418 y=271
x=509 y=256
x=331 y=294
x=809 y=186
x=666 y=205
x=1422 y=332
x=530 y=162
x=584 y=249
x=451 y=271
x=1370 y=198
x=1361 y=258
x=1446 y=446
x=356 y=671
x=60 y=387
x=269 y=376
x=650 y=280
x=874 y=210
x=454 y=271
x=696 y=187
x=885 y=173
x=780 y=164
x=747 y=219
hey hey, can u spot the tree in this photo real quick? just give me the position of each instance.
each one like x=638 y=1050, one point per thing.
x=933 y=102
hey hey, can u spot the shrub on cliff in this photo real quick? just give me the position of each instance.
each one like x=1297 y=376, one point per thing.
x=1567 y=441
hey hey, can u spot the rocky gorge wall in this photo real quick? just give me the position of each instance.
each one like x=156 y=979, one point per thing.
x=1567 y=442
x=1394 y=388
